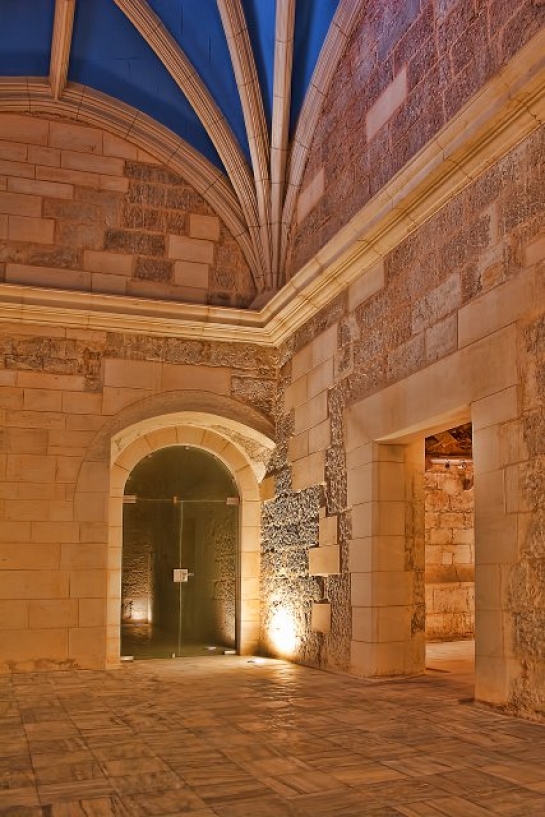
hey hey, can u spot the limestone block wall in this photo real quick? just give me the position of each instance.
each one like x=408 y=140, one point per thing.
x=64 y=393
x=81 y=209
x=408 y=69
x=450 y=552
x=445 y=328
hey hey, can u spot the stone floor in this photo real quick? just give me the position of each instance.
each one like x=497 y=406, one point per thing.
x=232 y=737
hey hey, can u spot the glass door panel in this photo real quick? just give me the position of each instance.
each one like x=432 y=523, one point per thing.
x=179 y=577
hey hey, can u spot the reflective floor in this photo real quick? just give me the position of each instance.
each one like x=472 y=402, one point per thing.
x=236 y=737
x=145 y=641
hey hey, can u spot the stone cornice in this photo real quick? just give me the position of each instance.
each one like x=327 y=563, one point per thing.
x=508 y=109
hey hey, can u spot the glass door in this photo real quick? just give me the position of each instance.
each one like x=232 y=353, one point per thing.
x=179 y=577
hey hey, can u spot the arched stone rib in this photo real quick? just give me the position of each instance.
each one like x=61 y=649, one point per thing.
x=60 y=45
x=332 y=50
x=283 y=62
x=149 y=25
x=242 y=58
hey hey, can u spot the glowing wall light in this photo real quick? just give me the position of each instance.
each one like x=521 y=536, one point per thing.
x=283 y=632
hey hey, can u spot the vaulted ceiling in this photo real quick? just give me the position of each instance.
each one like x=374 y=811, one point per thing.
x=231 y=89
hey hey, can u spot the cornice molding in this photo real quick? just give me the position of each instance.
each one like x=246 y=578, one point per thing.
x=506 y=111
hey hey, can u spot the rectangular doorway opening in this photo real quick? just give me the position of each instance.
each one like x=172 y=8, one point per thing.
x=450 y=551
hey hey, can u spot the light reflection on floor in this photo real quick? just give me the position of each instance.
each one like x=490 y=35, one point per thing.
x=451 y=656
x=141 y=640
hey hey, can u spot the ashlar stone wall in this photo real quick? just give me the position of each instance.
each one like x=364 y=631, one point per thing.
x=408 y=70
x=450 y=552
x=81 y=209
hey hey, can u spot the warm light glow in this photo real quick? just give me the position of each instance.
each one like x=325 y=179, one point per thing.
x=139 y=610
x=283 y=632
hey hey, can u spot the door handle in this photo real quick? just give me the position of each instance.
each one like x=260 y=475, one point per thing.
x=181 y=575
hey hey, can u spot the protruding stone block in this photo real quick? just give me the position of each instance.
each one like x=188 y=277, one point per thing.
x=321 y=617
x=324 y=561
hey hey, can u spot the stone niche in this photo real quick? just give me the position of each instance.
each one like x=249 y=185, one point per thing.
x=449 y=536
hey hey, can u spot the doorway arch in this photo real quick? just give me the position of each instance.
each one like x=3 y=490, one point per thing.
x=232 y=444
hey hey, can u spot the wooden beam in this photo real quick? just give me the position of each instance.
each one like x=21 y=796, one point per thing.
x=60 y=46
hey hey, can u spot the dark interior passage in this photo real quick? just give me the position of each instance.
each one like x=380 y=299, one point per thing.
x=180 y=531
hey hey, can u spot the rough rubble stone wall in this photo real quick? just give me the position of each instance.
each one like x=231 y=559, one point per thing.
x=81 y=209
x=450 y=552
x=407 y=70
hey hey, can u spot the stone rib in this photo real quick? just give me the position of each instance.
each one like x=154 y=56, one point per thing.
x=186 y=77
x=242 y=58
x=283 y=63
x=332 y=50
x=60 y=46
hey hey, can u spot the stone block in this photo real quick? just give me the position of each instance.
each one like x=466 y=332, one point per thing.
x=204 y=227
x=386 y=104
x=88 y=584
x=87 y=641
x=308 y=471
x=23 y=228
x=486 y=448
x=267 y=489
x=534 y=251
x=128 y=373
x=328 y=529
x=324 y=560
x=36 y=187
x=115 y=146
x=191 y=274
x=301 y=362
x=369 y=282
x=43 y=380
x=50 y=157
x=319 y=437
x=310 y=195
x=75 y=137
x=22 y=556
x=34 y=584
x=495 y=408
x=29 y=645
x=321 y=617
x=311 y=413
x=108 y=262
x=202 y=378
x=497 y=308
x=26 y=467
x=296 y=393
x=89 y=163
x=91 y=613
x=53 y=613
x=16 y=204
x=21 y=128
x=13 y=615
x=320 y=378
x=62 y=174
x=190 y=249
x=298 y=447
x=42 y=400
x=47 y=276
x=324 y=347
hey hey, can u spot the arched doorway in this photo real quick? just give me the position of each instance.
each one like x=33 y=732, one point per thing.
x=181 y=526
